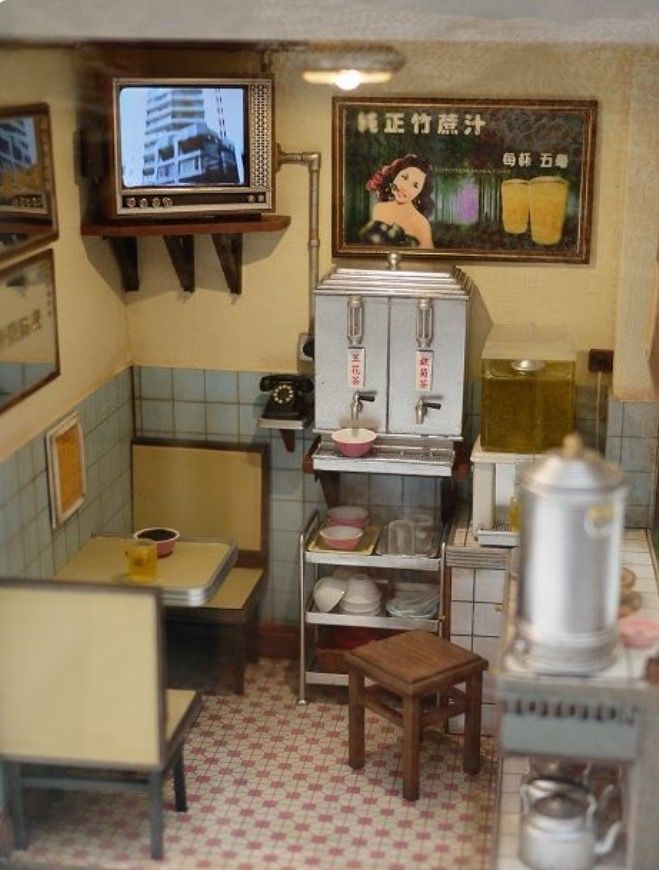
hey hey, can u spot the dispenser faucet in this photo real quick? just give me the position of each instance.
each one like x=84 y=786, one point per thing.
x=356 y=405
x=422 y=406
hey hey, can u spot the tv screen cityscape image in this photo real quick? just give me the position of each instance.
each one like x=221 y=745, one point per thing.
x=182 y=136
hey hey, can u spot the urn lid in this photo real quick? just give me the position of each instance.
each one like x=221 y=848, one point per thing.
x=563 y=811
x=572 y=468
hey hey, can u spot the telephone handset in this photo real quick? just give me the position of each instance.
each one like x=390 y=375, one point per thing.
x=287 y=401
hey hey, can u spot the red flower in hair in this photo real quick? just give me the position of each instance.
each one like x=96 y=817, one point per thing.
x=374 y=181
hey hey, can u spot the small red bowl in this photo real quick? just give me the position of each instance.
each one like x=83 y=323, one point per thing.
x=164 y=539
x=348 y=515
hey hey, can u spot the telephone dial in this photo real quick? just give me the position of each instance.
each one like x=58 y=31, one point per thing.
x=287 y=400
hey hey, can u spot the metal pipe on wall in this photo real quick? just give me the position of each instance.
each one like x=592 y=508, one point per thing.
x=312 y=161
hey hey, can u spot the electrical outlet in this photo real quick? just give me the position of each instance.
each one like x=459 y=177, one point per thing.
x=600 y=360
x=305 y=348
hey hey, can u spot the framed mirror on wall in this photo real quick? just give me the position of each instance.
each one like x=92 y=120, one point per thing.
x=29 y=349
x=28 y=215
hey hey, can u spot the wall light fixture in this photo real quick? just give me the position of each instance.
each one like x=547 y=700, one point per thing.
x=349 y=67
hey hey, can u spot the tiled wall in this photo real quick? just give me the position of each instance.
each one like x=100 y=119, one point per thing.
x=225 y=406
x=29 y=546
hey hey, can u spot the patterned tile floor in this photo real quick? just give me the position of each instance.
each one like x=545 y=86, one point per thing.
x=269 y=787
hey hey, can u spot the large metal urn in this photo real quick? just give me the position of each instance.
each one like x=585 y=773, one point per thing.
x=570 y=562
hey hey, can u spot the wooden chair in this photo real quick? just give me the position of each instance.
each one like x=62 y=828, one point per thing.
x=411 y=666
x=212 y=490
x=82 y=698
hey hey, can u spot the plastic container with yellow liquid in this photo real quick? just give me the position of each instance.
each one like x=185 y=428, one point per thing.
x=527 y=388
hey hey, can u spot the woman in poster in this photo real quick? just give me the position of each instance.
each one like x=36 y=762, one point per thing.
x=400 y=215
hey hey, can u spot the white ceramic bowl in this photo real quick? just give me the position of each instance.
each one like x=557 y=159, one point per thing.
x=348 y=515
x=327 y=593
x=341 y=537
x=362 y=591
x=354 y=442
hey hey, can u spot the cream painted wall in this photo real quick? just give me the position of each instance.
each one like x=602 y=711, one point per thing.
x=102 y=330
x=93 y=334
x=259 y=330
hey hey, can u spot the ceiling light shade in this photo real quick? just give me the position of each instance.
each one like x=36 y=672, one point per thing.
x=349 y=67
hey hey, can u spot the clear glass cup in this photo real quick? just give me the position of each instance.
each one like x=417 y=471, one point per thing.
x=400 y=538
x=142 y=561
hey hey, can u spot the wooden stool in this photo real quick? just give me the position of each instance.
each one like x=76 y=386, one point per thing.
x=412 y=665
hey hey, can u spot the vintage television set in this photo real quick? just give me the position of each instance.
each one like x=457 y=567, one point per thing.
x=186 y=148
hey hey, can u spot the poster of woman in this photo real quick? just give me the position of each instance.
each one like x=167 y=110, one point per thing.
x=488 y=179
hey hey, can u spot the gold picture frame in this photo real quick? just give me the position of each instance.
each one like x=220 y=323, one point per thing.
x=463 y=179
x=28 y=210
x=66 y=469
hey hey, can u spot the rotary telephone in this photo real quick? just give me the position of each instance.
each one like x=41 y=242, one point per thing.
x=287 y=401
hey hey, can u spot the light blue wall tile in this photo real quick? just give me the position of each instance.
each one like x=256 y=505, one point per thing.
x=189 y=417
x=280 y=457
x=28 y=503
x=222 y=420
x=641 y=488
x=638 y=454
x=13 y=515
x=640 y=419
x=419 y=492
x=188 y=385
x=284 y=576
x=386 y=489
x=285 y=608
x=312 y=490
x=158 y=416
x=286 y=516
x=46 y=564
x=283 y=546
x=248 y=422
x=355 y=489
x=221 y=386
x=249 y=390
x=286 y=485
x=25 y=465
x=4 y=534
x=613 y=448
x=43 y=530
x=30 y=542
x=585 y=403
x=38 y=447
x=157 y=383
x=8 y=478
x=15 y=555
x=614 y=417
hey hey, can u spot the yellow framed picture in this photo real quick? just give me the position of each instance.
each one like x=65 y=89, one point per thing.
x=66 y=469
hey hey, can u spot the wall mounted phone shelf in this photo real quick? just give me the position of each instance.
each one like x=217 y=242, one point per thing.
x=287 y=428
x=227 y=238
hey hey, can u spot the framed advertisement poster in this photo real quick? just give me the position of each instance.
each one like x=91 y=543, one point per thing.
x=463 y=179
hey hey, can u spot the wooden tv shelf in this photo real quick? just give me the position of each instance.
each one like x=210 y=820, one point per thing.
x=178 y=236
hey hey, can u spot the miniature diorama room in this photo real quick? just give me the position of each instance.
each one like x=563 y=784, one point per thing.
x=329 y=422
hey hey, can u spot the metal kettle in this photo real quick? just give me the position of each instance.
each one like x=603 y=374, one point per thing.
x=572 y=504
x=558 y=831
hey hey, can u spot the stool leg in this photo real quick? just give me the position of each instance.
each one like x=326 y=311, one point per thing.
x=356 y=750
x=471 y=758
x=411 y=746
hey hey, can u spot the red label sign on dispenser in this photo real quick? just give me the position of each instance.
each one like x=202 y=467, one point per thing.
x=423 y=371
x=356 y=359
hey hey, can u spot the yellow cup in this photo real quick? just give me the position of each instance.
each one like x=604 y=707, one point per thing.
x=548 y=199
x=142 y=561
x=515 y=205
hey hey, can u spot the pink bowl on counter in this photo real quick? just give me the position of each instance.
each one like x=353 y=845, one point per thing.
x=347 y=515
x=354 y=442
x=341 y=537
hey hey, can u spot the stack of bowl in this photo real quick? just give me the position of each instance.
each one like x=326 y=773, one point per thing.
x=362 y=597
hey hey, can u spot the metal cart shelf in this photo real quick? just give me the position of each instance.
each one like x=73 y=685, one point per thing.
x=311 y=616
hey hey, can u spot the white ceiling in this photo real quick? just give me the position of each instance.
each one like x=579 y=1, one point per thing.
x=391 y=21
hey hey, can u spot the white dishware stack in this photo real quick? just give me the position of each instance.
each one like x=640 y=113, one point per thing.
x=420 y=604
x=362 y=597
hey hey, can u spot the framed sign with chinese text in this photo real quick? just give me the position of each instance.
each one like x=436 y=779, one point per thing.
x=29 y=349
x=28 y=215
x=463 y=179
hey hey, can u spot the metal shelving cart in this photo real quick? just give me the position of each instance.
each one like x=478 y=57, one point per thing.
x=310 y=616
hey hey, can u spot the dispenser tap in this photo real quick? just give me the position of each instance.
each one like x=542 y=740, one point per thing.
x=356 y=405
x=422 y=406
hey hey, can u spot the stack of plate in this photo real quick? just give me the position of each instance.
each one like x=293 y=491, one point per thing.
x=419 y=604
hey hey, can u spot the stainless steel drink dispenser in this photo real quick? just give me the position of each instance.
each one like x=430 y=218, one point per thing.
x=390 y=355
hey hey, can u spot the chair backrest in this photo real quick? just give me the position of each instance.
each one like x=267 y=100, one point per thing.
x=208 y=490
x=81 y=674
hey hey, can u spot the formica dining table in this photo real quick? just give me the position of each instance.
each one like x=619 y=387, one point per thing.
x=189 y=577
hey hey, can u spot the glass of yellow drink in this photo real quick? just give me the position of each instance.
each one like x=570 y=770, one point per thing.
x=547 y=200
x=515 y=205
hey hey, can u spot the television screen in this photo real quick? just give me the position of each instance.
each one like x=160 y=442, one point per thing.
x=182 y=135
